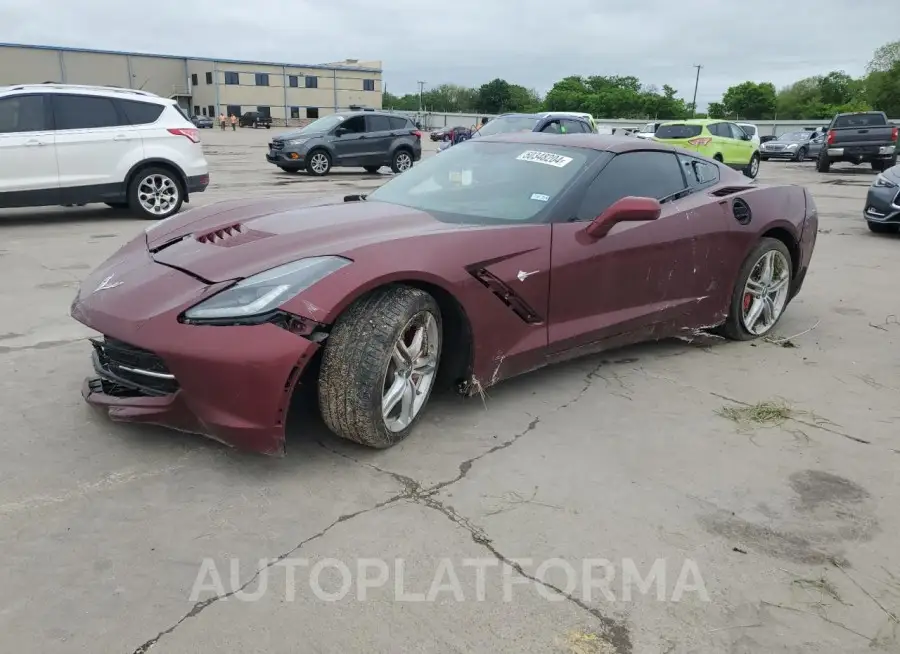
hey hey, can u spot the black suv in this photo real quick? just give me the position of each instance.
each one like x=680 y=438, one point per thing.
x=255 y=119
x=367 y=139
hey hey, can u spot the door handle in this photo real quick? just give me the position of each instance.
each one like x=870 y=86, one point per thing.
x=121 y=137
x=35 y=142
x=363 y=137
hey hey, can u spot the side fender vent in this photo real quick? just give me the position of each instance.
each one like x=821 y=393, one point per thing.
x=741 y=211
x=729 y=190
x=506 y=295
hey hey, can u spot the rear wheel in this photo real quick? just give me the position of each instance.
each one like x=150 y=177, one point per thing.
x=155 y=193
x=823 y=163
x=761 y=292
x=751 y=170
x=884 y=228
x=379 y=366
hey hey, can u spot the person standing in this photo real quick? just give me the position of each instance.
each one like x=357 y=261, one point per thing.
x=233 y=123
x=222 y=120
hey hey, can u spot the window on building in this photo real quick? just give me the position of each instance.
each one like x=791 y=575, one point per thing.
x=292 y=81
x=368 y=85
x=233 y=110
x=265 y=111
x=295 y=112
x=312 y=112
x=262 y=79
x=232 y=78
x=209 y=78
x=210 y=111
x=196 y=109
x=194 y=79
x=312 y=82
x=22 y=113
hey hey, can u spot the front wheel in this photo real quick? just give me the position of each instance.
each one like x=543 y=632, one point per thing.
x=402 y=161
x=801 y=155
x=751 y=170
x=318 y=163
x=761 y=292
x=379 y=366
x=155 y=194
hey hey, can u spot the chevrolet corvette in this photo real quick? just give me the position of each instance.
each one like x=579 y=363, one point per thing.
x=496 y=258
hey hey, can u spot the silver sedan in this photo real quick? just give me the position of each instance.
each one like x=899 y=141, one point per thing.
x=797 y=146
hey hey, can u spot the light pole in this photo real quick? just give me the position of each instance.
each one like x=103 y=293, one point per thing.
x=421 y=92
x=696 y=86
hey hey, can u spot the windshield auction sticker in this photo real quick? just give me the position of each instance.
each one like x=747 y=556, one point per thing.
x=548 y=158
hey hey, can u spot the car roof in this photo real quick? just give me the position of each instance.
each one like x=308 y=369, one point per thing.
x=599 y=142
x=695 y=121
x=98 y=90
x=374 y=112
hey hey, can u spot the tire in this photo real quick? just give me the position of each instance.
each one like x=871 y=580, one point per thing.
x=268 y=127
x=718 y=157
x=372 y=169
x=883 y=228
x=358 y=364
x=139 y=200
x=751 y=170
x=763 y=158
x=116 y=205
x=402 y=160
x=313 y=165
x=801 y=155
x=878 y=165
x=823 y=163
x=734 y=327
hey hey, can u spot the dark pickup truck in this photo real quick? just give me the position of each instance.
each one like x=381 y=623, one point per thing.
x=255 y=119
x=858 y=137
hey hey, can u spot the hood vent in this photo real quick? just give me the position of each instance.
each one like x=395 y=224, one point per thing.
x=741 y=211
x=231 y=236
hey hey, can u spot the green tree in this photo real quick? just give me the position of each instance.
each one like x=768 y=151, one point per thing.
x=750 y=100
x=716 y=110
x=884 y=58
x=495 y=97
x=883 y=90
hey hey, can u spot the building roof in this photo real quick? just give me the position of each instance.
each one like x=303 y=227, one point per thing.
x=56 y=48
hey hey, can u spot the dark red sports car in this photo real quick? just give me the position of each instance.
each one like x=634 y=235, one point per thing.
x=500 y=256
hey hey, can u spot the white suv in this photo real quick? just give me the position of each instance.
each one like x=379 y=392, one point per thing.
x=62 y=144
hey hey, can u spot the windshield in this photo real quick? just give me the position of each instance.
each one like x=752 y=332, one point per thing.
x=795 y=136
x=323 y=124
x=678 y=131
x=505 y=124
x=487 y=183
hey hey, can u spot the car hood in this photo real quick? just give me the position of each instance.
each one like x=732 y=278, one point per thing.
x=233 y=240
x=780 y=142
x=297 y=135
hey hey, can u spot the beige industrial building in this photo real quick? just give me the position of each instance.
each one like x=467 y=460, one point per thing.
x=205 y=87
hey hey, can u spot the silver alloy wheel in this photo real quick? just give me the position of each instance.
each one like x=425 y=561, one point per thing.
x=765 y=293
x=319 y=163
x=403 y=161
x=410 y=372
x=158 y=194
x=754 y=167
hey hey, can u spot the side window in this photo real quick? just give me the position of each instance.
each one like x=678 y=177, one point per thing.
x=736 y=132
x=716 y=129
x=643 y=174
x=84 y=112
x=698 y=173
x=143 y=113
x=355 y=125
x=551 y=128
x=573 y=126
x=23 y=113
x=399 y=123
x=378 y=123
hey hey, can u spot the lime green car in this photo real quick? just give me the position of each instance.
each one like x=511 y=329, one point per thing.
x=716 y=139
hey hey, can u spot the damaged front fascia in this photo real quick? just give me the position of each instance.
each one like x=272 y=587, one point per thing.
x=298 y=325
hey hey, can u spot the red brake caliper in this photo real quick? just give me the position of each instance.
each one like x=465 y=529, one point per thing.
x=748 y=300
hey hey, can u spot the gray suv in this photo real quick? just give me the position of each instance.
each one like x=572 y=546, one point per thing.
x=367 y=139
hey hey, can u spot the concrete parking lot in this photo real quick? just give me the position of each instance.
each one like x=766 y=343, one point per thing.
x=767 y=535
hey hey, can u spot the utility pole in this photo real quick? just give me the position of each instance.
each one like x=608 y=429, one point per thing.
x=696 y=85
x=421 y=93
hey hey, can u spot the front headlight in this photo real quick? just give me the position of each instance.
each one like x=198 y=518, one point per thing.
x=266 y=291
x=300 y=141
x=883 y=181
x=792 y=146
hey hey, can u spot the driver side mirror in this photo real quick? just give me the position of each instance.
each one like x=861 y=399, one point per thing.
x=340 y=131
x=629 y=209
x=746 y=137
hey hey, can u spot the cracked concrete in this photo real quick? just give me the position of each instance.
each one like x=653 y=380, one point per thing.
x=622 y=457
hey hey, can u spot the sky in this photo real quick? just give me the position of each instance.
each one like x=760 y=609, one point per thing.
x=469 y=42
